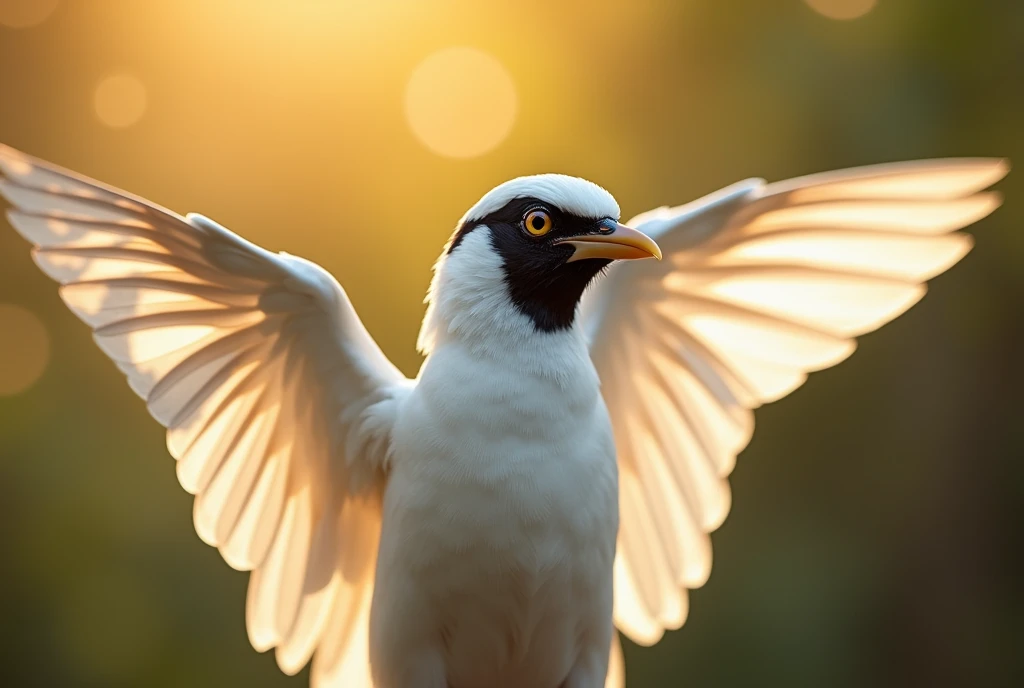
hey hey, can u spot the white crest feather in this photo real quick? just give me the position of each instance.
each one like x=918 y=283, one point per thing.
x=569 y=194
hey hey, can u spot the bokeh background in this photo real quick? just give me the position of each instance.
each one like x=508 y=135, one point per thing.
x=876 y=532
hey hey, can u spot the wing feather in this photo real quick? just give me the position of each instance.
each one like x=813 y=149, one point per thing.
x=265 y=380
x=616 y=665
x=761 y=285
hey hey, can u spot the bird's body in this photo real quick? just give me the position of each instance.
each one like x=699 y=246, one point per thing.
x=560 y=459
x=499 y=521
x=501 y=506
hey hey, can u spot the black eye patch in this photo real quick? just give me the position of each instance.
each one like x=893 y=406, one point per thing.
x=515 y=211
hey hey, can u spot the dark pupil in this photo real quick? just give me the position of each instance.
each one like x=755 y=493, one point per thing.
x=537 y=222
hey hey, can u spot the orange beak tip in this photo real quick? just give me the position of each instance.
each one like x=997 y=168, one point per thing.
x=623 y=243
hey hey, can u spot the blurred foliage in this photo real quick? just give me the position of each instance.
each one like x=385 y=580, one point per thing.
x=875 y=534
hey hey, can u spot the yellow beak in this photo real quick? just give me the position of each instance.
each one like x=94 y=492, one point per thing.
x=621 y=243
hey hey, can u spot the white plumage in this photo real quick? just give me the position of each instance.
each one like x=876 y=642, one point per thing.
x=502 y=497
x=761 y=284
x=567 y=193
x=460 y=529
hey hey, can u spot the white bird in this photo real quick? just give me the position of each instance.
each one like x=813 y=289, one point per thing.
x=463 y=529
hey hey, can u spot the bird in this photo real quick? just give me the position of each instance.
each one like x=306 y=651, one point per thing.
x=550 y=478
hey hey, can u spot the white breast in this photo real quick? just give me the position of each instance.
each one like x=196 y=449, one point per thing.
x=501 y=511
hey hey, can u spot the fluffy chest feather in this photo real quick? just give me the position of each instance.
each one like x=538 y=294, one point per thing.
x=502 y=512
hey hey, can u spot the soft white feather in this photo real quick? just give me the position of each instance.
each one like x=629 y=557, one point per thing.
x=569 y=194
x=276 y=400
x=761 y=284
x=501 y=507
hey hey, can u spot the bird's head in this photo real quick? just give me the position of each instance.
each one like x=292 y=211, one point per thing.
x=527 y=251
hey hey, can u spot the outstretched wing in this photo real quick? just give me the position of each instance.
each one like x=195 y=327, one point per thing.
x=276 y=400
x=760 y=285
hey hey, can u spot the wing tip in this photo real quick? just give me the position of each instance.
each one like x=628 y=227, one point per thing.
x=990 y=202
x=647 y=637
x=9 y=152
x=50 y=271
x=1003 y=166
x=964 y=244
x=14 y=164
x=992 y=171
x=15 y=217
x=986 y=171
x=289 y=661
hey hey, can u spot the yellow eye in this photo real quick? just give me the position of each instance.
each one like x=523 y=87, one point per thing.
x=538 y=223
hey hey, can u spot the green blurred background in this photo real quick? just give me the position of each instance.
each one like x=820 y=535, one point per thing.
x=876 y=531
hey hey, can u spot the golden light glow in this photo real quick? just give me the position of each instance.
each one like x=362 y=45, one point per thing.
x=842 y=9
x=21 y=14
x=460 y=102
x=24 y=349
x=120 y=100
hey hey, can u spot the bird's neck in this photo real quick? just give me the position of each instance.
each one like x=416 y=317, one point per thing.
x=471 y=309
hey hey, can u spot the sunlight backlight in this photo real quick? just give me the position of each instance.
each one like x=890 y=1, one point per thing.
x=842 y=9
x=120 y=100
x=22 y=14
x=460 y=102
x=24 y=349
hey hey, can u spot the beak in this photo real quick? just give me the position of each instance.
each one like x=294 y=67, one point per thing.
x=619 y=243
